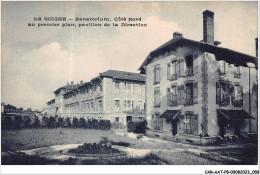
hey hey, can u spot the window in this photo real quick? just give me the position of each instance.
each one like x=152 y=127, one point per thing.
x=157 y=74
x=171 y=70
x=190 y=92
x=139 y=89
x=157 y=122
x=237 y=99
x=100 y=105
x=224 y=91
x=237 y=72
x=157 y=97
x=92 y=106
x=172 y=96
x=222 y=68
x=189 y=64
x=191 y=124
x=100 y=88
x=117 y=87
x=117 y=105
x=117 y=119
x=128 y=87
x=139 y=106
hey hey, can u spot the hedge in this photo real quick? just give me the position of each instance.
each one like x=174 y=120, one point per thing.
x=137 y=127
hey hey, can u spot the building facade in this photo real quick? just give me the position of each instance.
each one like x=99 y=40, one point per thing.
x=113 y=95
x=194 y=90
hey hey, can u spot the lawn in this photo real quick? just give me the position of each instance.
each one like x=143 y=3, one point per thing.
x=35 y=138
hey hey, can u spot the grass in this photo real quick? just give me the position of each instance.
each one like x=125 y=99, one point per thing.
x=35 y=138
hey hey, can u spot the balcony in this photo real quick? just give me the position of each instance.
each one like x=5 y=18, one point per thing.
x=172 y=77
x=191 y=70
x=172 y=100
x=238 y=103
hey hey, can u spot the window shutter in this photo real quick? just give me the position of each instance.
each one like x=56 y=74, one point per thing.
x=178 y=68
x=217 y=93
x=168 y=71
x=195 y=92
x=154 y=74
x=159 y=74
x=195 y=123
x=195 y=62
x=241 y=91
x=168 y=92
x=182 y=95
x=182 y=124
x=178 y=95
x=182 y=68
x=233 y=95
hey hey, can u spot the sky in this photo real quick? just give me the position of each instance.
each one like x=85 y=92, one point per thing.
x=38 y=60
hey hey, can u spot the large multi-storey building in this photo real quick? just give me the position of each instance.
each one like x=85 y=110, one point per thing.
x=194 y=90
x=113 y=95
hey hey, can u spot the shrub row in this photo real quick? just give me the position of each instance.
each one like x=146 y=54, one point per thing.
x=137 y=127
x=53 y=122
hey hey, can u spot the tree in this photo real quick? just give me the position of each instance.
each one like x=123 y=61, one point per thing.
x=45 y=121
x=60 y=122
x=18 y=121
x=36 y=123
x=82 y=123
x=68 y=122
x=75 y=122
x=52 y=122
x=26 y=122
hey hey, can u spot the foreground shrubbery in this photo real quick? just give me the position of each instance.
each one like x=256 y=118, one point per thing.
x=19 y=122
x=137 y=127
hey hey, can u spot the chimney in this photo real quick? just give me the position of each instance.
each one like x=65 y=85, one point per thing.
x=256 y=47
x=177 y=34
x=208 y=27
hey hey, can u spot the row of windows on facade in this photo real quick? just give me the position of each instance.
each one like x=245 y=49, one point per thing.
x=226 y=94
x=84 y=93
x=186 y=94
x=185 y=67
x=188 y=123
x=129 y=105
x=129 y=88
x=85 y=107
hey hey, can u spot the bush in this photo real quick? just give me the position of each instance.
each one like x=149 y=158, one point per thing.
x=26 y=122
x=18 y=121
x=104 y=125
x=75 y=122
x=137 y=127
x=7 y=122
x=36 y=123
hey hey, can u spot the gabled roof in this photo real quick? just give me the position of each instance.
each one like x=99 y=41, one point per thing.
x=122 y=75
x=231 y=56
